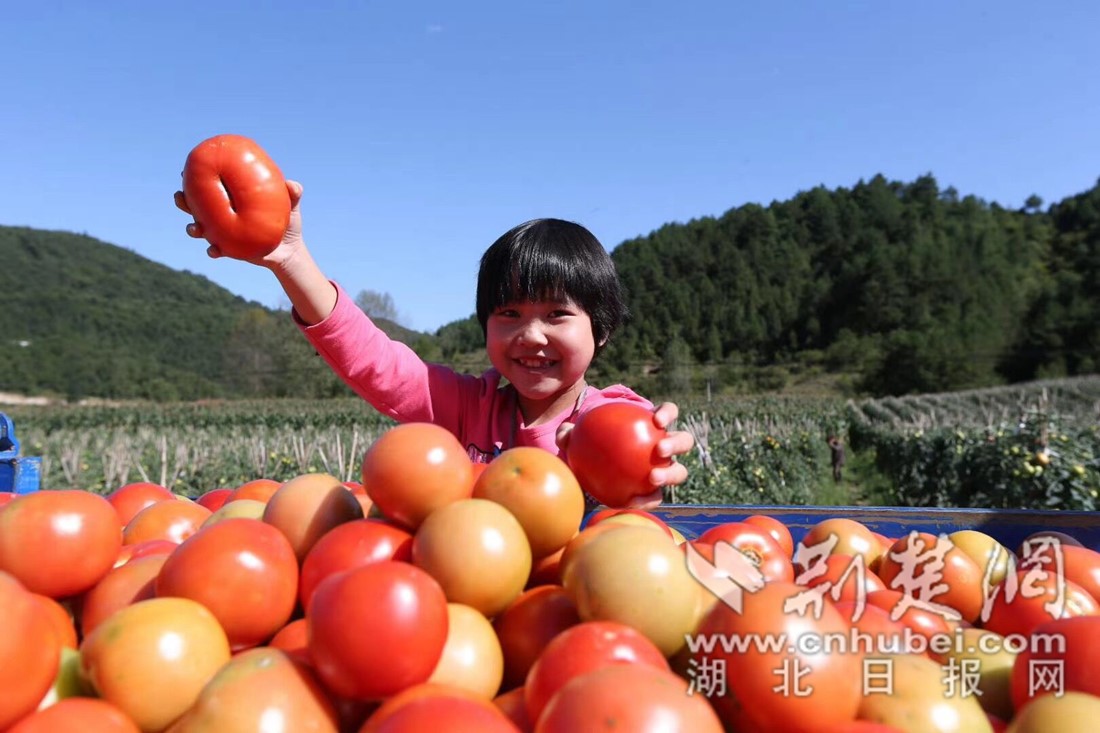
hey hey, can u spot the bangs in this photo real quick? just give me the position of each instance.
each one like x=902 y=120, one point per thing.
x=536 y=276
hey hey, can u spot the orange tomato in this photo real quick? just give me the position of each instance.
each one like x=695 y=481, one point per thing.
x=243 y=570
x=260 y=689
x=413 y=469
x=84 y=714
x=844 y=536
x=153 y=658
x=472 y=657
x=237 y=193
x=779 y=531
x=59 y=543
x=59 y=618
x=308 y=506
x=294 y=640
x=260 y=489
x=30 y=649
x=539 y=489
x=174 y=521
x=431 y=706
x=123 y=586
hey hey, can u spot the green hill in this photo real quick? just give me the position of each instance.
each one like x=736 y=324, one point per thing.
x=886 y=287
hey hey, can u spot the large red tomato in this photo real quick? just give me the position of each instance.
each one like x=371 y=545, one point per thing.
x=528 y=625
x=237 y=194
x=1020 y=606
x=30 y=649
x=930 y=568
x=780 y=532
x=783 y=677
x=612 y=450
x=376 y=629
x=130 y=499
x=354 y=543
x=582 y=648
x=174 y=521
x=243 y=570
x=59 y=543
x=413 y=469
x=628 y=697
x=754 y=542
x=123 y=586
x=1059 y=656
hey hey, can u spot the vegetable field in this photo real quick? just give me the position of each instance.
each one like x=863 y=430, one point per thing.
x=1032 y=446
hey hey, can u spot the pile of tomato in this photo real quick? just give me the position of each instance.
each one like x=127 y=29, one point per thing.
x=441 y=595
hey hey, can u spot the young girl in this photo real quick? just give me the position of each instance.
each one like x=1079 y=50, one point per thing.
x=548 y=300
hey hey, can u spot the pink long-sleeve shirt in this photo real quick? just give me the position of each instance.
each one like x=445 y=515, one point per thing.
x=478 y=410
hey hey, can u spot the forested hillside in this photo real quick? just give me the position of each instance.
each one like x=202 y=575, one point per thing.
x=901 y=287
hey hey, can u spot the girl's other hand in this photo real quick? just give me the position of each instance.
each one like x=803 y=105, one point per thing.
x=676 y=443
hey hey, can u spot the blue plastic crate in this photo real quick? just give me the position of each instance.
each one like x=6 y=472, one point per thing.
x=1008 y=526
x=21 y=474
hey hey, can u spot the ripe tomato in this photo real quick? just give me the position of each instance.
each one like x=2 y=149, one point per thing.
x=472 y=658
x=144 y=549
x=779 y=531
x=847 y=580
x=512 y=705
x=1067 y=646
x=754 y=542
x=528 y=625
x=546 y=570
x=355 y=543
x=294 y=640
x=153 y=658
x=628 y=697
x=844 y=536
x=932 y=569
x=638 y=517
x=872 y=628
x=174 y=521
x=1035 y=600
x=260 y=489
x=30 y=649
x=308 y=506
x=433 y=707
x=237 y=193
x=85 y=714
x=612 y=450
x=539 y=489
x=1082 y=566
x=902 y=609
x=415 y=468
x=243 y=570
x=368 y=651
x=583 y=648
x=123 y=586
x=492 y=567
x=1072 y=712
x=785 y=677
x=60 y=620
x=214 y=499
x=261 y=689
x=130 y=499
x=59 y=543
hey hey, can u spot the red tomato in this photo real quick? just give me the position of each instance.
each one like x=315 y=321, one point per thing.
x=528 y=625
x=872 y=628
x=438 y=712
x=1035 y=599
x=214 y=499
x=59 y=543
x=7 y=497
x=794 y=684
x=612 y=450
x=547 y=570
x=123 y=586
x=415 y=468
x=844 y=536
x=260 y=489
x=779 y=531
x=1068 y=650
x=902 y=609
x=628 y=697
x=294 y=640
x=350 y=545
x=941 y=573
x=1082 y=566
x=243 y=570
x=144 y=549
x=30 y=649
x=237 y=193
x=370 y=650
x=130 y=499
x=512 y=705
x=630 y=516
x=755 y=543
x=60 y=620
x=583 y=648
x=862 y=726
x=84 y=714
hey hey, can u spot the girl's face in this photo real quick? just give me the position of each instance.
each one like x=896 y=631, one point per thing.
x=544 y=350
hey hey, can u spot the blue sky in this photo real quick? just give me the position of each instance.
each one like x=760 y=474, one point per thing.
x=424 y=130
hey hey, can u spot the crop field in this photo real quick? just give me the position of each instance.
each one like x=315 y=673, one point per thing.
x=1034 y=445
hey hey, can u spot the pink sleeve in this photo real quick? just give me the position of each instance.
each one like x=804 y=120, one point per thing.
x=386 y=373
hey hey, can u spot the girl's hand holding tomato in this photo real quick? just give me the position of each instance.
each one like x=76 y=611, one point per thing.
x=668 y=472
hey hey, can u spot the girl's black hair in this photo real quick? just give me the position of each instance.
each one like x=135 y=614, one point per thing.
x=550 y=259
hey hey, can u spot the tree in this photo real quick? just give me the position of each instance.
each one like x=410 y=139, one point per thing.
x=377 y=305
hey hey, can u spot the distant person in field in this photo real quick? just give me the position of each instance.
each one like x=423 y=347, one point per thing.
x=836 y=448
x=548 y=300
